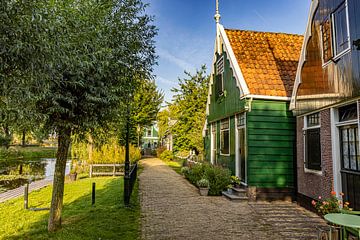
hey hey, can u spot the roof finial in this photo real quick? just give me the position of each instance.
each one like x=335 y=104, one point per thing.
x=217 y=14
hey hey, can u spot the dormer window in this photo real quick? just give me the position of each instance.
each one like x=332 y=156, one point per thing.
x=335 y=34
x=219 y=78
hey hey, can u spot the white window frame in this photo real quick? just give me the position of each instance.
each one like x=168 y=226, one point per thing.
x=305 y=128
x=336 y=153
x=339 y=55
x=221 y=130
x=335 y=56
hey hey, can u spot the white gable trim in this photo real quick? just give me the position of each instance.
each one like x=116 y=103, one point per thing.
x=302 y=60
x=240 y=81
x=266 y=97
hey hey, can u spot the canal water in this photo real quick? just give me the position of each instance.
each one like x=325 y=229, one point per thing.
x=15 y=173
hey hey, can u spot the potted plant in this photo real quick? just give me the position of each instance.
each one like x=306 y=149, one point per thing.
x=235 y=181
x=203 y=185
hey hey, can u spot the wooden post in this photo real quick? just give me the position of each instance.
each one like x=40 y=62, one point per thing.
x=26 y=196
x=93 y=194
x=91 y=170
x=114 y=171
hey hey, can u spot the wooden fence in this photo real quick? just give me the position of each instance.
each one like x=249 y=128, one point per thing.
x=110 y=173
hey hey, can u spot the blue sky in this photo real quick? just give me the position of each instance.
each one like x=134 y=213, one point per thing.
x=186 y=34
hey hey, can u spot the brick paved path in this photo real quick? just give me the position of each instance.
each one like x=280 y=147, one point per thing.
x=172 y=209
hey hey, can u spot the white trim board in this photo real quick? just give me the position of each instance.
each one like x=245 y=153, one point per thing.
x=313 y=7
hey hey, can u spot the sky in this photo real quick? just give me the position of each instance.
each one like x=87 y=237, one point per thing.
x=186 y=30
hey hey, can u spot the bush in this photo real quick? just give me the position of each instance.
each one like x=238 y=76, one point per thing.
x=185 y=171
x=167 y=155
x=159 y=151
x=218 y=177
x=203 y=183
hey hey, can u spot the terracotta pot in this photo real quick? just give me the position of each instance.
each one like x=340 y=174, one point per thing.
x=203 y=191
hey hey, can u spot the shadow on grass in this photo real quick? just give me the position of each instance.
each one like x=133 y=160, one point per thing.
x=108 y=219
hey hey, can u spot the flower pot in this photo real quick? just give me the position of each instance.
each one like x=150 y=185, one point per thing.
x=203 y=191
x=73 y=176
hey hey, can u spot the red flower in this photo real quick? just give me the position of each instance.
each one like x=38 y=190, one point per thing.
x=333 y=193
x=313 y=202
x=319 y=197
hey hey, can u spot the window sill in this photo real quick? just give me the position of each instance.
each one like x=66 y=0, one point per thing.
x=317 y=172
x=226 y=155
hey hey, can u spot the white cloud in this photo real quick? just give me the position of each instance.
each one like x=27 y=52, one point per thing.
x=181 y=63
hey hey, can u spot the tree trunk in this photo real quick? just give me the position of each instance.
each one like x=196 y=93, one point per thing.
x=59 y=177
x=23 y=141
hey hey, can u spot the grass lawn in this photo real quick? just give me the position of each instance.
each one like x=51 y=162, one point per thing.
x=108 y=219
x=27 y=152
x=176 y=165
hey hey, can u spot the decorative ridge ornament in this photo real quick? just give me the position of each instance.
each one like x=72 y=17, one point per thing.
x=217 y=14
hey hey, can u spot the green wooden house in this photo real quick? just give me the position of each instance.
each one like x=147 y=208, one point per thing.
x=249 y=127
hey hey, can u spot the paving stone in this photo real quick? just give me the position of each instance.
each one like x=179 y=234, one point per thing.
x=172 y=208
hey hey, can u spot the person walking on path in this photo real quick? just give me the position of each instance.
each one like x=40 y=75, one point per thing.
x=173 y=209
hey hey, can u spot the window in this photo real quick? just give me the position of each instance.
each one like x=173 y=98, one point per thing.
x=241 y=121
x=312 y=142
x=349 y=138
x=326 y=40
x=335 y=33
x=224 y=137
x=340 y=23
x=149 y=132
x=219 y=81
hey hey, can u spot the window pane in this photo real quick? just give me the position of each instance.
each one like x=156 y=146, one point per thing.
x=346 y=161
x=353 y=162
x=348 y=112
x=350 y=148
x=224 y=124
x=313 y=120
x=225 y=146
x=341 y=30
x=313 y=149
x=327 y=40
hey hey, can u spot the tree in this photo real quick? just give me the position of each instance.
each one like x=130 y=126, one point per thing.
x=145 y=106
x=90 y=53
x=188 y=108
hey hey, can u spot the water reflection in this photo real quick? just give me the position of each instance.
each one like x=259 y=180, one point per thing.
x=15 y=173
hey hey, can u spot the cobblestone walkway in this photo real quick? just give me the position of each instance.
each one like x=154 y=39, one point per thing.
x=172 y=209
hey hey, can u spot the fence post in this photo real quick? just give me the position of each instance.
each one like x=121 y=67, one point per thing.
x=26 y=196
x=91 y=170
x=93 y=194
x=114 y=171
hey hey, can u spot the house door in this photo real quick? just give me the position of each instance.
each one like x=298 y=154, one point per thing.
x=242 y=156
x=213 y=143
x=350 y=164
x=240 y=164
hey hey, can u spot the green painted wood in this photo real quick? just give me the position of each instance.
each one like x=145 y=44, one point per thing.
x=231 y=103
x=262 y=137
x=272 y=164
x=271 y=138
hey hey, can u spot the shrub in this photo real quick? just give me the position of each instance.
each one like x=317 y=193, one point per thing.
x=203 y=183
x=159 y=151
x=167 y=155
x=185 y=171
x=218 y=177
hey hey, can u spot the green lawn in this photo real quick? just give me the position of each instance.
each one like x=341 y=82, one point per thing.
x=176 y=165
x=108 y=219
x=27 y=152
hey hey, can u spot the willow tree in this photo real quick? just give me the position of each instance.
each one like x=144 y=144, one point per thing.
x=88 y=52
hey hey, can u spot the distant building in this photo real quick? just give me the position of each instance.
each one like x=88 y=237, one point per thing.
x=150 y=139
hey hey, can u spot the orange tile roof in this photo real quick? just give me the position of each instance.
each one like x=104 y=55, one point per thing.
x=268 y=61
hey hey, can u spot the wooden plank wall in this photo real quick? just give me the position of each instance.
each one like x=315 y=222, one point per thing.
x=271 y=140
